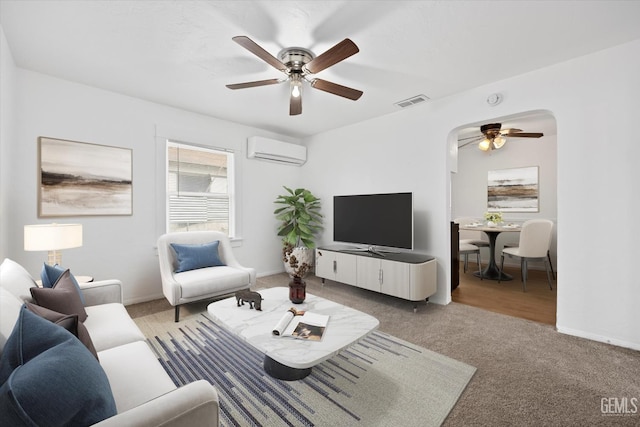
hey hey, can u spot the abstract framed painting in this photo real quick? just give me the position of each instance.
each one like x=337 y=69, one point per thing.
x=513 y=190
x=83 y=179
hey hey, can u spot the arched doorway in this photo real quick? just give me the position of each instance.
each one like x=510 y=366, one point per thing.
x=469 y=180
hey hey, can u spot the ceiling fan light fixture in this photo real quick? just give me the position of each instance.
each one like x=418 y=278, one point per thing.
x=296 y=86
x=295 y=90
x=296 y=63
x=499 y=141
x=484 y=144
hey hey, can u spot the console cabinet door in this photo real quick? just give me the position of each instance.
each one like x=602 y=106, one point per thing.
x=345 y=268
x=395 y=279
x=369 y=273
x=324 y=264
x=336 y=266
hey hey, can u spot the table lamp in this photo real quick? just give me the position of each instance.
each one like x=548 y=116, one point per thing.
x=52 y=238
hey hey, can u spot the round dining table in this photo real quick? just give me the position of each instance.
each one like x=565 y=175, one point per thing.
x=492 y=272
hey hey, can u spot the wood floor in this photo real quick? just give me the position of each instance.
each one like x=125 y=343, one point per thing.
x=538 y=303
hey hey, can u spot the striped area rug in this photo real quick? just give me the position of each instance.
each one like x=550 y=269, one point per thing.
x=380 y=381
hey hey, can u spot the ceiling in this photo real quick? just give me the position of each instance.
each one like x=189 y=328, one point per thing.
x=180 y=53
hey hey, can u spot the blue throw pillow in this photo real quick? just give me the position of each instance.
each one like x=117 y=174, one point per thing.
x=50 y=275
x=191 y=257
x=49 y=378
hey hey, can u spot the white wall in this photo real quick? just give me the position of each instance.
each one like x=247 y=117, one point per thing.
x=596 y=104
x=469 y=183
x=123 y=247
x=7 y=98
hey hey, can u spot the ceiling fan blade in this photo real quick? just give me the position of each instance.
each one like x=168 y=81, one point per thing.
x=295 y=105
x=507 y=132
x=336 y=89
x=254 y=84
x=478 y=139
x=525 y=135
x=339 y=52
x=254 y=48
x=470 y=137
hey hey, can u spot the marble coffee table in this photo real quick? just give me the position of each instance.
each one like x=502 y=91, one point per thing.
x=288 y=358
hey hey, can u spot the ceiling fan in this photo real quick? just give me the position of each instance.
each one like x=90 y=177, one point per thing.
x=494 y=137
x=298 y=64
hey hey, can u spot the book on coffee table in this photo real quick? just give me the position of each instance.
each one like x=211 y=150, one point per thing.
x=301 y=325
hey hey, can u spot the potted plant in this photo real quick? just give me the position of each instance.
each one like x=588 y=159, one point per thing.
x=300 y=220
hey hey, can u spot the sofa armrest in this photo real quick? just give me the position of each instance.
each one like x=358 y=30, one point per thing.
x=195 y=404
x=101 y=292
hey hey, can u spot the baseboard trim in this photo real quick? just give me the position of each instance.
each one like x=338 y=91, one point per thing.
x=599 y=338
x=145 y=298
x=269 y=273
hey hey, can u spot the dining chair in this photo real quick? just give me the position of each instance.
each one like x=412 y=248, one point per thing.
x=470 y=237
x=553 y=273
x=466 y=249
x=535 y=239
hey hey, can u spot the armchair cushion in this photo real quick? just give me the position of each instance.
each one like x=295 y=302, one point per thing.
x=63 y=297
x=49 y=378
x=194 y=256
x=212 y=281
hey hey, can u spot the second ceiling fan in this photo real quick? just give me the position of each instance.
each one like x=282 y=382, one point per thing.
x=494 y=137
x=298 y=64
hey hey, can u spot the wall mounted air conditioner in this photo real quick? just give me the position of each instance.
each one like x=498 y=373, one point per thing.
x=262 y=148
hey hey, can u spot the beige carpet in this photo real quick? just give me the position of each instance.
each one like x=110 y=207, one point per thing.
x=527 y=373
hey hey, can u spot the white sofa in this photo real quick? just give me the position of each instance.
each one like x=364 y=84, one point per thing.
x=144 y=393
x=200 y=283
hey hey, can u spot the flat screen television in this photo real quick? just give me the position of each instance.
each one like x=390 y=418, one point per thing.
x=374 y=219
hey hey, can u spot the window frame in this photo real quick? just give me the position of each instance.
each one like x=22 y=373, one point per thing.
x=232 y=182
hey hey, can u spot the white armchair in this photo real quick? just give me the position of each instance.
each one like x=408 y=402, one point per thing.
x=200 y=283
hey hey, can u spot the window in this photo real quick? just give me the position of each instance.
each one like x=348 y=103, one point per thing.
x=199 y=188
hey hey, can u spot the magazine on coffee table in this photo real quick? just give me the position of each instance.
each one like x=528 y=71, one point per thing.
x=301 y=325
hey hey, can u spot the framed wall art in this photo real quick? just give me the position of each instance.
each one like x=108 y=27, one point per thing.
x=513 y=190
x=81 y=179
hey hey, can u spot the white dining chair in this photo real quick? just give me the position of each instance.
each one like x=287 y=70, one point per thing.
x=470 y=237
x=535 y=238
x=553 y=273
x=466 y=249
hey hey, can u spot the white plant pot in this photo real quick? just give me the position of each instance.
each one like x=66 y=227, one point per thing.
x=296 y=260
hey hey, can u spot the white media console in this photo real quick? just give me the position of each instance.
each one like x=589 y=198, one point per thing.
x=406 y=275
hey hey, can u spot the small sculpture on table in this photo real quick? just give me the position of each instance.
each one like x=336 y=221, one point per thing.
x=253 y=298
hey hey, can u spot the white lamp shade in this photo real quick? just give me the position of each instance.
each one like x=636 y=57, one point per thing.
x=52 y=237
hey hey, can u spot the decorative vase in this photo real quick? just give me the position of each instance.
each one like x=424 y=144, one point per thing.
x=298 y=261
x=297 y=290
x=491 y=224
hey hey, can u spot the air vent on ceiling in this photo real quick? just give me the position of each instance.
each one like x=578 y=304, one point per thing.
x=412 y=101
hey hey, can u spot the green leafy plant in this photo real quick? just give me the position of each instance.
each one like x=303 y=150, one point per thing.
x=299 y=216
